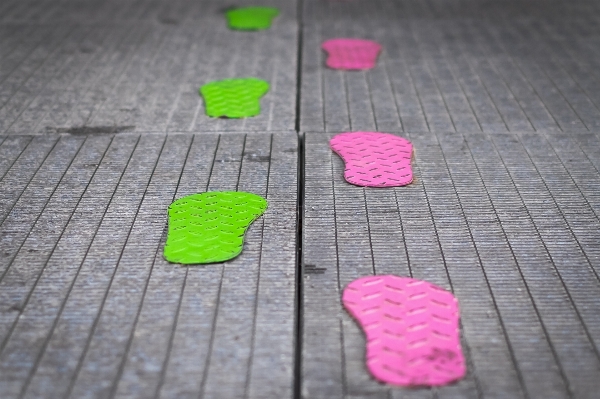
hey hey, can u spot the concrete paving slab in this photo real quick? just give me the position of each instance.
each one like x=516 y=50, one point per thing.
x=454 y=66
x=171 y=12
x=142 y=77
x=89 y=307
x=507 y=221
x=101 y=127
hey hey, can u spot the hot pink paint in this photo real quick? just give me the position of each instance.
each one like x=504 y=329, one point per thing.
x=374 y=159
x=351 y=54
x=411 y=328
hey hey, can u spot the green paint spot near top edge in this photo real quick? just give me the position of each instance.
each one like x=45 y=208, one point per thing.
x=233 y=98
x=251 y=18
x=210 y=227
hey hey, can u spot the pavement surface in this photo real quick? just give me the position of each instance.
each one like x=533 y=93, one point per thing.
x=102 y=127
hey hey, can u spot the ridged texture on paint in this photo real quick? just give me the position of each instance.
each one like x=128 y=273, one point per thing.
x=210 y=227
x=251 y=18
x=374 y=159
x=351 y=54
x=411 y=328
x=233 y=98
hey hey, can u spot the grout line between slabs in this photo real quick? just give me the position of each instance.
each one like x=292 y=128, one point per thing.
x=299 y=270
x=299 y=275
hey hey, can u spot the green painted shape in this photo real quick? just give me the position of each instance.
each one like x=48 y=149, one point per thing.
x=251 y=18
x=210 y=227
x=233 y=98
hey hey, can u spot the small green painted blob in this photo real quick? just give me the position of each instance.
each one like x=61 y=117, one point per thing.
x=251 y=18
x=233 y=98
x=210 y=227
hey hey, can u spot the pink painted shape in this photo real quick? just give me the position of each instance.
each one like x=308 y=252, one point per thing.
x=374 y=159
x=411 y=328
x=351 y=53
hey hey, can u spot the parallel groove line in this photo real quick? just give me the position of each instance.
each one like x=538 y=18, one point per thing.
x=172 y=336
x=51 y=53
x=581 y=250
x=339 y=286
x=8 y=211
x=25 y=57
x=431 y=76
x=507 y=85
x=255 y=312
x=474 y=73
x=128 y=58
x=214 y=321
x=36 y=48
x=532 y=220
x=473 y=241
x=119 y=374
x=100 y=107
x=535 y=89
x=435 y=229
x=11 y=329
x=92 y=83
x=15 y=160
x=97 y=318
x=47 y=339
x=90 y=32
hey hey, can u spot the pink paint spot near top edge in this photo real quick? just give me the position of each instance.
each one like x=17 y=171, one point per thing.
x=411 y=327
x=374 y=159
x=351 y=54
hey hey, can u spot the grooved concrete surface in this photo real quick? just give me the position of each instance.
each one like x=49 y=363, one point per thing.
x=507 y=221
x=78 y=68
x=456 y=66
x=89 y=308
x=101 y=127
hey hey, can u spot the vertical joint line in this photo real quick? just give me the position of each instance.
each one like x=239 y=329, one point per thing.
x=299 y=271
x=300 y=209
x=299 y=65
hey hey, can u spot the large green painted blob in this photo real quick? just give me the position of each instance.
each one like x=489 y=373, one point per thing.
x=251 y=18
x=233 y=98
x=210 y=227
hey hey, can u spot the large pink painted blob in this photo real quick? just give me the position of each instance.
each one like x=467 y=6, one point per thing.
x=351 y=54
x=411 y=328
x=374 y=159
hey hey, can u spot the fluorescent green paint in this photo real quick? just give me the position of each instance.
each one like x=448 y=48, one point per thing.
x=251 y=18
x=233 y=98
x=210 y=227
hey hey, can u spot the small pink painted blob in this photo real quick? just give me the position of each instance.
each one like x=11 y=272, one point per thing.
x=411 y=328
x=351 y=54
x=374 y=159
